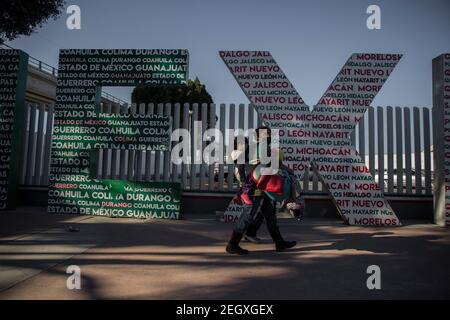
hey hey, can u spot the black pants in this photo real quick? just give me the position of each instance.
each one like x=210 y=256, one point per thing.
x=252 y=216
x=254 y=226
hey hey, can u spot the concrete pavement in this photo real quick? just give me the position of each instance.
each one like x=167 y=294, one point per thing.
x=156 y=259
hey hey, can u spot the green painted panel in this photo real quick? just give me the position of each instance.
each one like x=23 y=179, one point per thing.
x=13 y=78
x=80 y=129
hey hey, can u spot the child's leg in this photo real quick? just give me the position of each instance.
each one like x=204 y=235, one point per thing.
x=254 y=226
x=247 y=216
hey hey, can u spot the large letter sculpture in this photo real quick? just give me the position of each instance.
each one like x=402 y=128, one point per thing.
x=13 y=78
x=80 y=129
x=441 y=144
x=321 y=137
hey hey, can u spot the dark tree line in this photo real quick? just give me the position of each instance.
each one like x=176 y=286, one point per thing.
x=23 y=17
x=193 y=92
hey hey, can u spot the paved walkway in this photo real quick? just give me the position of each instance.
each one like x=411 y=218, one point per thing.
x=133 y=259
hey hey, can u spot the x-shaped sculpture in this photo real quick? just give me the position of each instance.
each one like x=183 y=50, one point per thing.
x=321 y=137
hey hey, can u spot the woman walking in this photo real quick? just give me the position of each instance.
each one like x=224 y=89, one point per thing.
x=257 y=202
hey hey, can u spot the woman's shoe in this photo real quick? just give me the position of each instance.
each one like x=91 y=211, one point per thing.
x=285 y=245
x=280 y=244
x=236 y=250
x=233 y=245
x=252 y=239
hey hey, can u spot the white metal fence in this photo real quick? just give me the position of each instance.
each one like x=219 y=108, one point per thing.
x=401 y=134
x=36 y=145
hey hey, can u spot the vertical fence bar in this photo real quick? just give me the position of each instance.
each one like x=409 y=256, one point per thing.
x=132 y=153
x=417 y=151
x=306 y=186
x=39 y=145
x=315 y=180
x=140 y=154
x=251 y=116
x=166 y=154
x=408 y=142
x=390 y=150
x=258 y=119
x=48 y=144
x=371 y=141
x=148 y=154
x=212 y=165
x=31 y=146
x=184 y=166
x=110 y=151
x=123 y=152
x=204 y=118
x=175 y=126
x=380 y=125
x=106 y=152
x=158 y=154
x=222 y=129
x=250 y=122
x=24 y=154
x=193 y=172
x=230 y=173
x=362 y=139
x=98 y=153
x=115 y=153
x=427 y=149
x=241 y=116
x=399 y=146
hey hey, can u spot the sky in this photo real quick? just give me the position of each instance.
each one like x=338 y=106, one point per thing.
x=310 y=40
